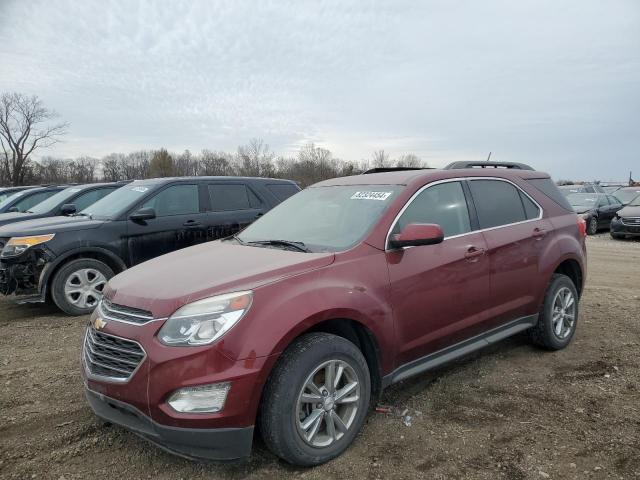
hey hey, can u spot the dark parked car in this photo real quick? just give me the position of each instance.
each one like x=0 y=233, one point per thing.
x=6 y=192
x=626 y=223
x=597 y=209
x=70 y=259
x=351 y=285
x=583 y=188
x=23 y=200
x=626 y=194
x=65 y=202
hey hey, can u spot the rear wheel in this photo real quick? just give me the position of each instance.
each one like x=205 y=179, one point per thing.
x=316 y=399
x=592 y=226
x=77 y=287
x=558 y=318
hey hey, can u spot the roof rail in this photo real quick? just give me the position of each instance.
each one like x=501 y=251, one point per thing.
x=511 y=165
x=393 y=169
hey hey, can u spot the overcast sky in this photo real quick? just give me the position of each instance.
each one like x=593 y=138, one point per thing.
x=553 y=83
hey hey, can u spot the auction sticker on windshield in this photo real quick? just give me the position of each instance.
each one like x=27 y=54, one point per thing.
x=140 y=189
x=371 y=195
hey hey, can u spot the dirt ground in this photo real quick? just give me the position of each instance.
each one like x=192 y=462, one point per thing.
x=510 y=411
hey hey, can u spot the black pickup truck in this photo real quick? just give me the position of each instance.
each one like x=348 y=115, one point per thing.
x=70 y=259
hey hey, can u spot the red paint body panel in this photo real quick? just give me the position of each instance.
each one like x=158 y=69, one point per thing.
x=413 y=302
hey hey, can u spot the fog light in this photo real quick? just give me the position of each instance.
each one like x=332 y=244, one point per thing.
x=200 y=399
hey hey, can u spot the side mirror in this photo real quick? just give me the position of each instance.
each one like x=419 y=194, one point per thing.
x=13 y=209
x=68 y=209
x=416 y=234
x=143 y=214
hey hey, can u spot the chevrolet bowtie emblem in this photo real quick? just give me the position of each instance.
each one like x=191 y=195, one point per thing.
x=98 y=323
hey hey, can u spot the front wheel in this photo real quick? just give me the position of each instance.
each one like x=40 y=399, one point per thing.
x=592 y=226
x=77 y=287
x=316 y=399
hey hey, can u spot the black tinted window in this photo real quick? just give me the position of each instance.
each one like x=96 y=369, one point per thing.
x=443 y=204
x=282 y=191
x=175 y=200
x=89 y=198
x=546 y=186
x=531 y=209
x=32 y=200
x=226 y=197
x=497 y=203
x=614 y=201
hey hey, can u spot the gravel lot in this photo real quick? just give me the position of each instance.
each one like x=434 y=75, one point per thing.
x=510 y=411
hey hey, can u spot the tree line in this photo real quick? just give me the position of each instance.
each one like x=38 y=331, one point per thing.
x=26 y=126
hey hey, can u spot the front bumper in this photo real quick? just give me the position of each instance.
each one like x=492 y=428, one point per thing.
x=618 y=227
x=218 y=444
x=22 y=275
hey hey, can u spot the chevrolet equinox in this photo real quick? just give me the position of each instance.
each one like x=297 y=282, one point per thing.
x=294 y=325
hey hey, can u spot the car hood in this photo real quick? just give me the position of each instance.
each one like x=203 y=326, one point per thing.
x=629 y=211
x=13 y=217
x=166 y=283
x=582 y=209
x=43 y=226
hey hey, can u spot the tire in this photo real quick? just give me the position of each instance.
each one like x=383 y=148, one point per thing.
x=547 y=333
x=592 y=226
x=617 y=236
x=76 y=274
x=282 y=412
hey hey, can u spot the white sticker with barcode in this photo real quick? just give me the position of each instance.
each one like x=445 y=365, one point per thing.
x=140 y=189
x=371 y=196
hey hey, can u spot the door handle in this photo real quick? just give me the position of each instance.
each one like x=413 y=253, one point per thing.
x=192 y=224
x=538 y=233
x=473 y=253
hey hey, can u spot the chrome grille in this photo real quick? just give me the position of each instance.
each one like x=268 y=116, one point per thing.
x=111 y=357
x=112 y=311
x=631 y=221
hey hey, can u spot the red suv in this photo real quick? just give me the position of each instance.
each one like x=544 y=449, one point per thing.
x=296 y=324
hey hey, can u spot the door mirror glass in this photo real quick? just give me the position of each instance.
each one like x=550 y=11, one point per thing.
x=68 y=209
x=143 y=214
x=416 y=234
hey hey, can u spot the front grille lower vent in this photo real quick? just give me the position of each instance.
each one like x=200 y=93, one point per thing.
x=112 y=357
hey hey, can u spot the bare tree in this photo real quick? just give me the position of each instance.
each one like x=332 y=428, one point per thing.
x=380 y=159
x=410 y=160
x=255 y=159
x=23 y=130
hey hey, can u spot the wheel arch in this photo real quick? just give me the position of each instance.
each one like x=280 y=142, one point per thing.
x=572 y=269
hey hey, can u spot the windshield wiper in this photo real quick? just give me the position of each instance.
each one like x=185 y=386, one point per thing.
x=299 y=246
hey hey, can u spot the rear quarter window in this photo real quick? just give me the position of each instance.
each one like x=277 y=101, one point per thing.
x=282 y=191
x=546 y=186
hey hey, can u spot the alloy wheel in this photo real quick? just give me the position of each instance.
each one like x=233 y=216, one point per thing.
x=564 y=313
x=328 y=403
x=83 y=287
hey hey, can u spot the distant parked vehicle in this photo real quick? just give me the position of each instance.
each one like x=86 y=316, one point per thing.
x=627 y=194
x=72 y=258
x=65 y=202
x=597 y=209
x=24 y=200
x=584 y=188
x=626 y=223
x=6 y=192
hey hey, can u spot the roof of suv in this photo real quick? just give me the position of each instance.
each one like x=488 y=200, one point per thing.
x=216 y=178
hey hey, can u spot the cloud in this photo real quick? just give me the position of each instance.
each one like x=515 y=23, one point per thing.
x=541 y=82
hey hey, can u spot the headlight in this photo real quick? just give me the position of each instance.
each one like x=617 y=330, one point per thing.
x=18 y=245
x=204 y=321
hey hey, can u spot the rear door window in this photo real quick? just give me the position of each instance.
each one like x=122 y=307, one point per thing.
x=89 y=198
x=444 y=204
x=530 y=209
x=282 y=191
x=175 y=200
x=497 y=203
x=232 y=196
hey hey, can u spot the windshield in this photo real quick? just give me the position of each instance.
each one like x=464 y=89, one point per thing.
x=625 y=196
x=582 y=200
x=4 y=196
x=115 y=203
x=54 y=200
x=324 y=219
x=8 y=200
x=635 y=202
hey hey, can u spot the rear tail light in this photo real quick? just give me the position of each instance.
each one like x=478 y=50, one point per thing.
x=582 y=226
